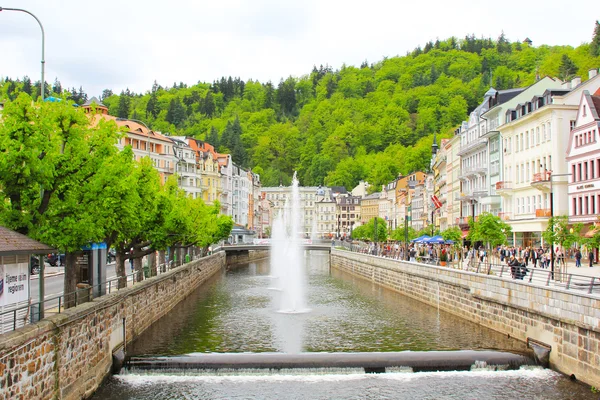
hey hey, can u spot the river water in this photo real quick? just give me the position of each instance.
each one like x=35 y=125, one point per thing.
x=237 y=312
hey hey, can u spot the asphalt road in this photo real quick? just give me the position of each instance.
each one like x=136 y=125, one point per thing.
x=54 y=284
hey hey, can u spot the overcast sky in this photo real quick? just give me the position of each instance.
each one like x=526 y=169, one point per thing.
x=130 y=43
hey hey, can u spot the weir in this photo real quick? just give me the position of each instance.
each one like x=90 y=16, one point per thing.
x=417 y=361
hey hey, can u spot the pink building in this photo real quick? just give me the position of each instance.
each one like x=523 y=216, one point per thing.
x=583 y=158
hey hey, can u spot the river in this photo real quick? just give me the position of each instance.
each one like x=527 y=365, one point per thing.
x=237 y=312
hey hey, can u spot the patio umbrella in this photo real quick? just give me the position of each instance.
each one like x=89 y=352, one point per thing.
x=449 y=241
x=422 y=239
x=435 y=240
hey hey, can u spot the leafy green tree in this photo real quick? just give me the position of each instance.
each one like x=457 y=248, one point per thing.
x=558 y=231
x=595 y=44
x=60 y=155
x=489 y=229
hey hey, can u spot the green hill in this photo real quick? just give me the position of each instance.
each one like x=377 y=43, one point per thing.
x=336 y=127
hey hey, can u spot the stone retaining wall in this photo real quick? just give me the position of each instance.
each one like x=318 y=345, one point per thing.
x=67 y=356
x=242 y=257
x=567 y=321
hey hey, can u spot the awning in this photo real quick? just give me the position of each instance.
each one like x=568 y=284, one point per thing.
x=464 y=234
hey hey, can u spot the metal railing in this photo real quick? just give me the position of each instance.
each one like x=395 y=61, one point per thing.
x=30 y=313
x=530 y=275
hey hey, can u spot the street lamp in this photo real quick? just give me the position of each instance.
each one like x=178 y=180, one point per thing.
x=42 y=83
x=549 y=175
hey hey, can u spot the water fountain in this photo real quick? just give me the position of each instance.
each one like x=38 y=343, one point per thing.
x=287 y=261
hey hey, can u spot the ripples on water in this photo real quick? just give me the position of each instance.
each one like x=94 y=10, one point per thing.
x=238 y=313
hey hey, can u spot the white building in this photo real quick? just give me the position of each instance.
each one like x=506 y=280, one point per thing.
x=241 y=194
x=535 y=139
x=583 y=157
x=475 y=190
x=188 y=176
x=276 y=198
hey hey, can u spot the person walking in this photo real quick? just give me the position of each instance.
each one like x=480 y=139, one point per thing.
x=577 y=258
x=591 y=257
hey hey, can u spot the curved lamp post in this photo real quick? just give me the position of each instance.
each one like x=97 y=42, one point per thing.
x=42 y=82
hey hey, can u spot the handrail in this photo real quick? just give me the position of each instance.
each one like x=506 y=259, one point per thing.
x=56 y=304
x=538 y=276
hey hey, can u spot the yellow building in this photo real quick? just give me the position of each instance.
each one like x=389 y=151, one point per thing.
x=369 y=207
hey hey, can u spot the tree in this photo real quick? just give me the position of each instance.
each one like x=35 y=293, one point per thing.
x=48 y=198
x=367 y=231
x=567 y=68
x=175 y=113
x=595 y=45
x=124 y=106
x=57 y=87
x=26 y=85
x=558 y=231
x=213 y=137
x=489 y=229
x=152 y=107
x=106 y=93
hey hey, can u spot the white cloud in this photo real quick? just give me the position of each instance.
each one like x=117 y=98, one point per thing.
x=119 y=44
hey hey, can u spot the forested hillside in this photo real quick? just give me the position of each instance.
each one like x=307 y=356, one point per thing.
x=338 y=126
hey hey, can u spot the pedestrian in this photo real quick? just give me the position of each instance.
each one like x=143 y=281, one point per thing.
x=577 y=258
x=512 y=263
x=591 y=257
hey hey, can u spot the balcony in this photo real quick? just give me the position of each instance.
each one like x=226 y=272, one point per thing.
x=463 y=222
x=541 y=181
x=470 y=147
x=504 y=188
x=543 y=212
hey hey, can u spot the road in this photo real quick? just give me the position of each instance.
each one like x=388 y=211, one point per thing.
x=54 y=284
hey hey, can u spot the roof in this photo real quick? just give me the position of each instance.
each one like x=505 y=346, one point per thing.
x=93 y=100
x=132 y=126
x=338 y=189
x=596 y=103
x=12 y=243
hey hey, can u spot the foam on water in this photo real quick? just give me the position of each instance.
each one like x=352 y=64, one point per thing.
x=322 y=375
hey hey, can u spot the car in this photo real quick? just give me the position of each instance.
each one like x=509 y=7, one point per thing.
x=56 y=260
x=111 y=256
x=34 y=266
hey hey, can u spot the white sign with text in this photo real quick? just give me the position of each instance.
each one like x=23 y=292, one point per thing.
x=14 y=283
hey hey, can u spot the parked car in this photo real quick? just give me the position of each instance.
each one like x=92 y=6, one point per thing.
x=111 y=256
x=34 y=266
x=56 y=260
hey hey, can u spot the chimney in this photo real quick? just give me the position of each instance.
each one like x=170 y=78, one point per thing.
x=575 y=82
x=592 y=73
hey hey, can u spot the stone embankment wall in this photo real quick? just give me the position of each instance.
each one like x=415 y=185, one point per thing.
x=67 y=355
x=567 y=321
x=242 y=257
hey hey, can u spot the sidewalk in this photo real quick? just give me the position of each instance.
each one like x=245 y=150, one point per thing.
x=50 y=271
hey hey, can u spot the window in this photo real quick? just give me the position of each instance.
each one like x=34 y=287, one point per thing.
x=573 y=172
x=592 y=170
x=585 y=171
x=574 y=211
x=537 y=135
x=549 y=131
x=527 y=139
x=584 y=110
x=572 y=124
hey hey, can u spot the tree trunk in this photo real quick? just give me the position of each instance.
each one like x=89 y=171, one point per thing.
x=71 y=279
x=161 y=260
x=139 y=270
x=120 y=269
x=152 y=263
